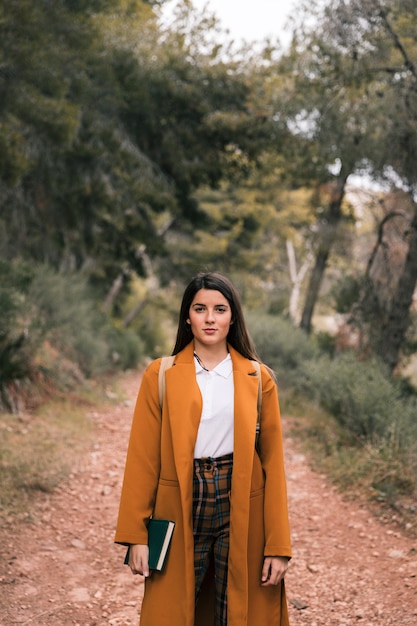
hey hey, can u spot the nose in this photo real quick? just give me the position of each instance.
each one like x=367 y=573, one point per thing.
x=210 y=316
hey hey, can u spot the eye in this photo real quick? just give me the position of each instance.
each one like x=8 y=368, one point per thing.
x=221 y=309
x=199 y=309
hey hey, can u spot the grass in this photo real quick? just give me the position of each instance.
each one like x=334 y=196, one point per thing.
x=38 y=450
x=382 y=475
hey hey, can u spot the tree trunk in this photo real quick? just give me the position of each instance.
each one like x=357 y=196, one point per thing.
x=372 y=308
x=393 y=330
x=115 y=289
x=314 y=285
x=296 y=280
x=327 y=234
x=134 y=313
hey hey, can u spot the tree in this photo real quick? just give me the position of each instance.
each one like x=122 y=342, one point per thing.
x=107 y=132
x=322 y=94
x=382 y=36
x=349 y=84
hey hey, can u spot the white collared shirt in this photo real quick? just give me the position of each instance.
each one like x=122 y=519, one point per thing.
x=215 y=433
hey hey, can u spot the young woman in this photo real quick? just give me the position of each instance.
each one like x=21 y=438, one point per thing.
x=197 y=463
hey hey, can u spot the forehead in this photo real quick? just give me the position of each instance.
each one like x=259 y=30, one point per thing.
x=209 y=297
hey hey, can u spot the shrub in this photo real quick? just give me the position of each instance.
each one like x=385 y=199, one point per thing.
x=359 y=424
x=52 y=324
x=358 y=394
x=126 y=348
x=346 y=293
x=283 y=347
x=19 y=340
x=156 y=329
x=70 y=318
x=73 y=322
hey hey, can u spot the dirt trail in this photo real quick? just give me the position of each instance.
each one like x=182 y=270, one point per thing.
x=62 y=568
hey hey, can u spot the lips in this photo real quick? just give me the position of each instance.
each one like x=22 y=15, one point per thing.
x=209 y=331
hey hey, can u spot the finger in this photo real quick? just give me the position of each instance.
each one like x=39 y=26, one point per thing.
x=275 y=577
x=134 y=567
x=266 y=570
x=145 y=567
x=276 y=573
x=271 y=582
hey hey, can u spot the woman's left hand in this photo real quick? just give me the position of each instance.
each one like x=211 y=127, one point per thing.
x=273 y=570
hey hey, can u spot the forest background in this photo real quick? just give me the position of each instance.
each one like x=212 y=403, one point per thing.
x=135 y=152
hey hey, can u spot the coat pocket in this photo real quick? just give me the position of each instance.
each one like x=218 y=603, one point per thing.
x=257 y=492
x=166 y=482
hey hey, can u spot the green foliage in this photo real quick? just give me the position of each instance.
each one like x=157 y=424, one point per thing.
x=326 y=343
x=125 y=347
x=68 y=317
x=359 y=424
x=346 y=293
x=384 y=472
x=155 y=329
x=41 y=307
x=72 y=322
x=105 y=133
x=286 y=349
x=357 y=393
x=18 y=339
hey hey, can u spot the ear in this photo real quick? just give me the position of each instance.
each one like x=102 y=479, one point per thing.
x=188 y=321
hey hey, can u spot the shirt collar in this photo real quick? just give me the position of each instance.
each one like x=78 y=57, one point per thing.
x=224 y=368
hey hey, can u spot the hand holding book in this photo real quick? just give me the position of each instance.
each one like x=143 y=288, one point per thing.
x=159 y=540
x=137 y=557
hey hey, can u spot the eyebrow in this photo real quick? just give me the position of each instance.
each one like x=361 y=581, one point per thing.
x=203 y=304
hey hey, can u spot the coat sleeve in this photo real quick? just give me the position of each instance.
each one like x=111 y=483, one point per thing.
x=142 y=463
x=276 y=519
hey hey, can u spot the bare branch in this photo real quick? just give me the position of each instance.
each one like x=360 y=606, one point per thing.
x=408 y=62
x=380 y=237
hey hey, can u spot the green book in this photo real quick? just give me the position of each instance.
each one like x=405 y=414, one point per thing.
x=159 y=539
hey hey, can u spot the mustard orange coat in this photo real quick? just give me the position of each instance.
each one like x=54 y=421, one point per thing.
x=158 y=481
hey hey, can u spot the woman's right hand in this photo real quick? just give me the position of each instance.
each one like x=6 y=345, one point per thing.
x=139 y=559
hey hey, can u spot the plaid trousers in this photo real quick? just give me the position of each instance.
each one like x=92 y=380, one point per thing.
x=211 y=518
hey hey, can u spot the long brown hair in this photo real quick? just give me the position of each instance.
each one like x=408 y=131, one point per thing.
x=238 y=335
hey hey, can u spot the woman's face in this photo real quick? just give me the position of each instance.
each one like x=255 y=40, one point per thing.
x=210 y=317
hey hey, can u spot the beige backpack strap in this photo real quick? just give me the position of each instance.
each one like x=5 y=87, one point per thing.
x=166 y=363
x=258 y=423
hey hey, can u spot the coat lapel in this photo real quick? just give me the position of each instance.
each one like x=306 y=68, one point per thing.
x=184 y=406
x=246 y=397
x=246 y=412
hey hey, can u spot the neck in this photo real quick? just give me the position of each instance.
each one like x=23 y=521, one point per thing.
x=210 y=356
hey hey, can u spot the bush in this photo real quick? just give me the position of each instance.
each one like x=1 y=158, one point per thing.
x=346 y=293
x=52 y=323
x=19 y=341
x=358 y=394
x=283 y=347
x=155 y=328
x=69 y=319
x=125 y=348
x=366 y=431
x=72 y=321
